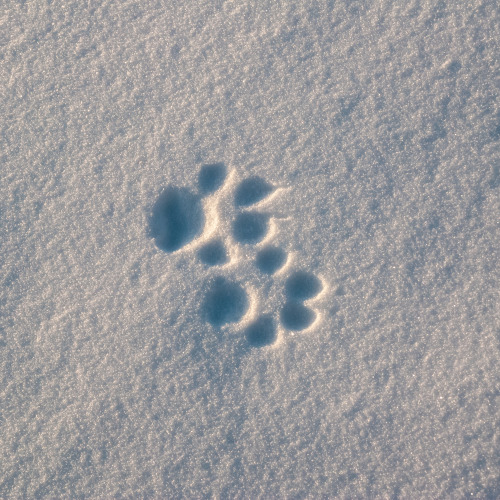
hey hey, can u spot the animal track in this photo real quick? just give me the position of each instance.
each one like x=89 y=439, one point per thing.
x=250 y=227
x=296 y=316
x=177 y=218
x=225 y=302
x=213 y=253
x=212 y=177
x=261 y=332
x=180 y=216
x=251 y=191
x=302 y=285
x=270 y=259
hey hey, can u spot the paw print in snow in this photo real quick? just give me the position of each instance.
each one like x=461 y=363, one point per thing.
x=182 y=219
x=178 y=217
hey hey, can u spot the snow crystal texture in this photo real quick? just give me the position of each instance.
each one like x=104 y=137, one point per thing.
x=249 y=249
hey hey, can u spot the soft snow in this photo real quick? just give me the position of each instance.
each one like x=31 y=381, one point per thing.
x=249 y=249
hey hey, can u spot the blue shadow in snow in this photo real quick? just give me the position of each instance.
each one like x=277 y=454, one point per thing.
x=213 y=253
x=261 y=332
x=270 y=259
x=250 y=227
x=302 y=285
x=177 y=218
x=225 y=302
x=296 y=316
x=211 y=177
x=251 y=191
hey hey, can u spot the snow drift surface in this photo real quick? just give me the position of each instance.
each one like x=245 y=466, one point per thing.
x=249 y=249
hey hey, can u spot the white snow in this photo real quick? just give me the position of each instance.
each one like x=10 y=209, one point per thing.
x=315 y=315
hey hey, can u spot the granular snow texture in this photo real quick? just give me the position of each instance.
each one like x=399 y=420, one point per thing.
x=249 y=249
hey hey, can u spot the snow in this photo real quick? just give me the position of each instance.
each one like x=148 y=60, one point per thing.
x=249 y=249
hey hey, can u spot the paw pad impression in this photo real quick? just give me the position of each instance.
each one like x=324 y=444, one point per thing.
x=178 y=218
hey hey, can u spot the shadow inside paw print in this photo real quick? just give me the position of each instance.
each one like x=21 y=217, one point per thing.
x=302 y=285
x=261 y=332
x=250 y=227
x=251 y=191
x=213 y=253
x=270 y=259
x=225 y=302
x=297 y=316
x=211 y=177
x=177 y=217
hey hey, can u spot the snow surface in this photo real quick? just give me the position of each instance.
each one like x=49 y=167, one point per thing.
x=249 y=249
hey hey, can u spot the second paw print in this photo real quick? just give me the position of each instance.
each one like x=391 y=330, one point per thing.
x=185 y=219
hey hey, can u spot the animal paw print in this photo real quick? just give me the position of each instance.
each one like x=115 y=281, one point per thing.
x=178 y=216
x=182 y=219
